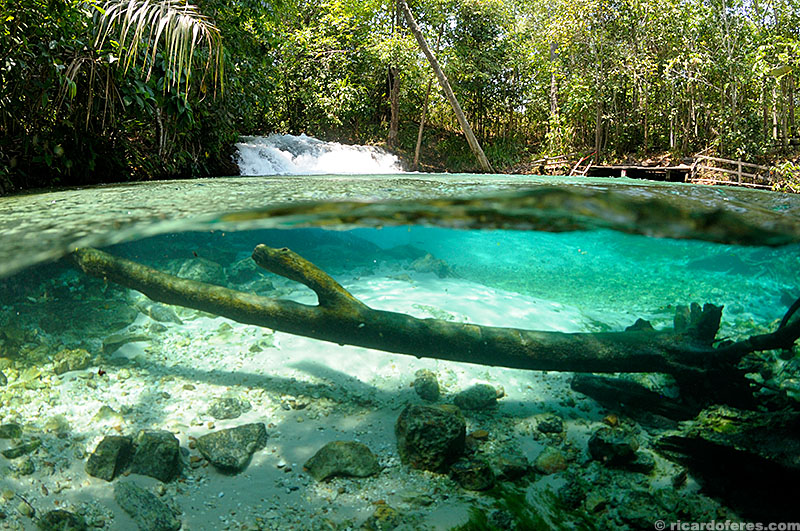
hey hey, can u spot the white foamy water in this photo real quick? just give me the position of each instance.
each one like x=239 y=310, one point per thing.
x=278 y=154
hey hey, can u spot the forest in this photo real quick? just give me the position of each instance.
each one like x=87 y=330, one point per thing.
x=146 y=89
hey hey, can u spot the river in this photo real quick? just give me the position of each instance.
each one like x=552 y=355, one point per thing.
x=84 y=358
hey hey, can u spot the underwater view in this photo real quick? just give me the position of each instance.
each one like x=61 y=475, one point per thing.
x=397 y=351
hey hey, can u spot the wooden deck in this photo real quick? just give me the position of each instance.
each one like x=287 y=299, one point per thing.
x=653 y=173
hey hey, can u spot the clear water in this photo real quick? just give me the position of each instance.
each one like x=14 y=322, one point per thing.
x=160 y=367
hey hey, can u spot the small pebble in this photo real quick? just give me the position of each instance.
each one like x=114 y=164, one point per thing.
x=480 y=435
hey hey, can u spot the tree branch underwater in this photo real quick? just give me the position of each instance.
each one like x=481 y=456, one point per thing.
x=687 y=351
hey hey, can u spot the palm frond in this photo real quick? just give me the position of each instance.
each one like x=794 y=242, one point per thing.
x=174 y=27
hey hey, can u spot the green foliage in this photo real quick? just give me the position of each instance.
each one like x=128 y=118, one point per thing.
x=70 y=115
x=127 y=90
x=788 y=177
x=173 y=25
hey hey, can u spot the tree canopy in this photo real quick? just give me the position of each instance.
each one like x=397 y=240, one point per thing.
x=136 y=89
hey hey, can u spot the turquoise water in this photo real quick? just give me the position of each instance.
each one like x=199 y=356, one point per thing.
x=610 y=271
x=158 y=366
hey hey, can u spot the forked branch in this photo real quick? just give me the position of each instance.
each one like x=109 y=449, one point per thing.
x=685 y=351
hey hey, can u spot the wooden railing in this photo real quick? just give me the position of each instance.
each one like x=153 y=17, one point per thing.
x=740 y=173
x=582 y=171
x=555 y=163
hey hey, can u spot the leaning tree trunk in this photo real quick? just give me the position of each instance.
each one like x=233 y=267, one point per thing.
x=418 y=147
x=448 y=91
x=686 y=351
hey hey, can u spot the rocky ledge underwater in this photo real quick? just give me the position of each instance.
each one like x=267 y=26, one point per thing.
x=117 y=412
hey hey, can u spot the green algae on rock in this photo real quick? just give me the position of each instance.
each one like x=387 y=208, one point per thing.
x=430 y=437
x=230 y=450
x=342 y=458
x=149 y=512
x=110 y=458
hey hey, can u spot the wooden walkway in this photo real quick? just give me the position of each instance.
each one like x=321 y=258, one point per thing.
x=737 y=173
x=703 y=170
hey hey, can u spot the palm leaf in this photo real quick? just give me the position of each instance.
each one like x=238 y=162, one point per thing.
x=174 y=27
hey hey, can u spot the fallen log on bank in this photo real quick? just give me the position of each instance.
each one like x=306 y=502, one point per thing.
x=687 y=351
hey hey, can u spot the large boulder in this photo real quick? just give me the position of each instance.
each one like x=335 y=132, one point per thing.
x=480 y=396
x=203 y=270
x=614 y=446
x=426 y=385
x=473 y=474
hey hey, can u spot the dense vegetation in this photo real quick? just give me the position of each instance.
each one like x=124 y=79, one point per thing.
x=534 y=77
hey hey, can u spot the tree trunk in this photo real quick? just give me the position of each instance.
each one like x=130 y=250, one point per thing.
x=784 y=115
x=448 y=91
x=418 y=147
x=646 y=126
x=598 y=131
x=775 y=107
x=791 y=130
x=685 y=351
x=555 y=131
x=394 y=99
x=764 y=112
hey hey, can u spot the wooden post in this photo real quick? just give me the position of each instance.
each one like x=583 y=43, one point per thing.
x=739 y=171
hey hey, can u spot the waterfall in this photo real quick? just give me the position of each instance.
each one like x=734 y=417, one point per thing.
x=278 y=154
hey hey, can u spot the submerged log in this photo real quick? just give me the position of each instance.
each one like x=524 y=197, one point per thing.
x=747 y=458
x=686 y=351
x=631 y=398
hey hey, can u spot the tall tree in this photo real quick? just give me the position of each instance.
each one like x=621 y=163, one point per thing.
x=445 y=84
